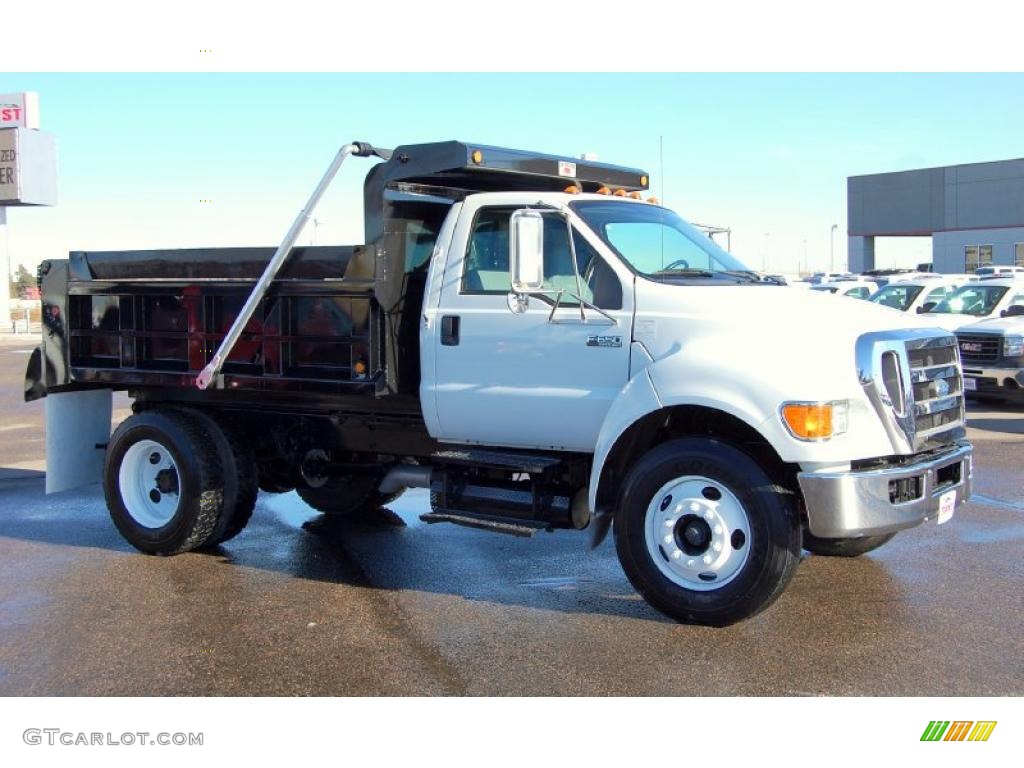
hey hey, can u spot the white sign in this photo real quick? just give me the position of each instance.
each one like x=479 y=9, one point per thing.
x=28 y=167
x=19 y=110
x=947 y=503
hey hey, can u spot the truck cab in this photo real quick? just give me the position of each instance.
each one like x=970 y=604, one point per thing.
x=537 y=344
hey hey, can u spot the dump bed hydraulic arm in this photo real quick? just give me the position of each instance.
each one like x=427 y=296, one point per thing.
x=210 y=373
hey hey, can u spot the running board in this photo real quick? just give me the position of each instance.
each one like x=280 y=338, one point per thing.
x=531 y=463
x=524 y=528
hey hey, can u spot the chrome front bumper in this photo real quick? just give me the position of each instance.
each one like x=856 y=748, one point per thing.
x=850 y=504
x=1007 y=380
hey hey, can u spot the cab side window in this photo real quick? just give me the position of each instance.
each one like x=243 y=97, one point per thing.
x=486 y=265
x=487 y=262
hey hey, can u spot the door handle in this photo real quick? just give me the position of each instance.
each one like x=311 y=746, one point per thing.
x=450 y=330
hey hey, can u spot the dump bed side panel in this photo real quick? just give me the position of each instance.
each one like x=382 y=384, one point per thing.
x=155 y=318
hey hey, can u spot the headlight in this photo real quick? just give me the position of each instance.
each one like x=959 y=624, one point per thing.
x=816 y=421
x=1013 y=346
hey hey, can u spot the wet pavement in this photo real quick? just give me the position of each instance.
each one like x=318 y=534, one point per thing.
x=397 y=607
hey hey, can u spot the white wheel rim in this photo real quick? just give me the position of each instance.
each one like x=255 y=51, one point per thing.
x=149 y=482
x=697 y=533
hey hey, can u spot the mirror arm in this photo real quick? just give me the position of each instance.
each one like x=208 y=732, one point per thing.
x=575 y=269
x=554 y=307
x=600 y=311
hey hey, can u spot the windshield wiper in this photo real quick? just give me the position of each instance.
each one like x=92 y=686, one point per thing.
x=751 y=276
x=746 y=277
x=688 y=272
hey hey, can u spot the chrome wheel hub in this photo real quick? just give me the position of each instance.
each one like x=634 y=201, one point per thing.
x=697 y=533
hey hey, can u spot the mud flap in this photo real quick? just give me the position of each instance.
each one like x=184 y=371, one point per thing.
x=77 y=431
x=35 y=386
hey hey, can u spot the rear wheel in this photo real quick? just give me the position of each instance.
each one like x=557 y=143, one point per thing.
x=239 y=467
x=843 y=547
x=704 y=534
x=347 y=494
x=164 y=482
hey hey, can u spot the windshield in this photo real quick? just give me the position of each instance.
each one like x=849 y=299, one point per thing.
x=897 y=296
x=977 y=300
x=658 y=244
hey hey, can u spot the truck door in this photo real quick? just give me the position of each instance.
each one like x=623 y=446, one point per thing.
x=532 y=378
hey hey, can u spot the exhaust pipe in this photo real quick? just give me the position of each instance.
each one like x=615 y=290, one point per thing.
x=405 y=476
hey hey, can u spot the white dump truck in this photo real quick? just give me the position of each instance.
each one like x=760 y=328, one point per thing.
x=536 y=343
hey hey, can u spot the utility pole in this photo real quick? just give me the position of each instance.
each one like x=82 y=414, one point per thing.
x=832 y=248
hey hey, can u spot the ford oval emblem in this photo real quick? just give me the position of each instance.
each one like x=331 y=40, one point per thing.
x=941 y=388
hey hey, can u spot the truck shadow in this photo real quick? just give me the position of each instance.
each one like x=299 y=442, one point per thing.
x=396 y=553
x=551 y=572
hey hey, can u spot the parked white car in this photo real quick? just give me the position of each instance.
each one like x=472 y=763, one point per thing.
x=976 y=301
x=856 y=289
x=918 y=295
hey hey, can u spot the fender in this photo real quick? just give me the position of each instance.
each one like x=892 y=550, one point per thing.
x=707 y=381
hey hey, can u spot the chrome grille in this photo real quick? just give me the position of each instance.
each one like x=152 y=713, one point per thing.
x=937 y=390
x=979 y=348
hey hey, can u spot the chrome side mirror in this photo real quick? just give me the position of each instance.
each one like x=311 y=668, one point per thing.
x=526 y=251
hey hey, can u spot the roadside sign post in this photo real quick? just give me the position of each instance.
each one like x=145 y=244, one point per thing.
x=5 y=290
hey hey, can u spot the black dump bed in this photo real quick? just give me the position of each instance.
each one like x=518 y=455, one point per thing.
x=155 y=318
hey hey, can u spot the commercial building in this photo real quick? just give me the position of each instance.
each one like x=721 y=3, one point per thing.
x=974 y=213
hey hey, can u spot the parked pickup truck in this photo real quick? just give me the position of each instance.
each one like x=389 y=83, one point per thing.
x=974 y=301
x=992 y=352
x=534 y=342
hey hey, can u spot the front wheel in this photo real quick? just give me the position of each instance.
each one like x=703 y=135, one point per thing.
x=704 y=534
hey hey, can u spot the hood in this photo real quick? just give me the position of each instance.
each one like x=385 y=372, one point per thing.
x=772 y=314
x=997 y=325
x=799 y=342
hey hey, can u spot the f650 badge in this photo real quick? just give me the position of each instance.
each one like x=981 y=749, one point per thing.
x=604 y=341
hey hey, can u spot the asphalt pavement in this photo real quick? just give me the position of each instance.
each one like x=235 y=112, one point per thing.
x=298 y=604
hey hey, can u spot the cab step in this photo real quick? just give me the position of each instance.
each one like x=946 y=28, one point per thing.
x=524 y=528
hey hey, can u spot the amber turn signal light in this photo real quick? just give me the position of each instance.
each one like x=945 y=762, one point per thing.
x=808 y=421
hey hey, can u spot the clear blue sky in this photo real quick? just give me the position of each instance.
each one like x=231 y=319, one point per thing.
x=767 y=155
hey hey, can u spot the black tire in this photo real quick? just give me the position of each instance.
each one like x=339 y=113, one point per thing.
x=843 y=547
x=198 y=477
x=770 y=511
x=347 y=495
x=239 y=466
